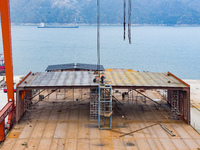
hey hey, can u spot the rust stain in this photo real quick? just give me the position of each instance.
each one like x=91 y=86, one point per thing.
x=14 y=134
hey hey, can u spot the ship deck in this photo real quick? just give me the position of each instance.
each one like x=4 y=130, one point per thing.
x=62 y=125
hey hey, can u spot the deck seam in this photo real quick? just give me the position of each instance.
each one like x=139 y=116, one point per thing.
x=45 y=128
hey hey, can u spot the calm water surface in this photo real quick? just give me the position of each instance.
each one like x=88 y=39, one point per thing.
x=153 y=48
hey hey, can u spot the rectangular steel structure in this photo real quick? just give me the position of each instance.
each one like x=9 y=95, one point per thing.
x=117 y=78
x=124 y=78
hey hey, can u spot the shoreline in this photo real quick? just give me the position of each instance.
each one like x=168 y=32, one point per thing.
x=104 y=24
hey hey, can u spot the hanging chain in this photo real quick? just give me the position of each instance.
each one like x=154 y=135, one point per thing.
x=124 y=20
x=129 y=22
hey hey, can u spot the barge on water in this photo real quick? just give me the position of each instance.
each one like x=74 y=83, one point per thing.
x=42 y=25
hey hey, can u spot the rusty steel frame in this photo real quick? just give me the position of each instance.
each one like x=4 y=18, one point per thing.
x=184 y=100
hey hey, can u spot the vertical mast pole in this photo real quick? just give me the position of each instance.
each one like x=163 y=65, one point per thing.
x=98 y=36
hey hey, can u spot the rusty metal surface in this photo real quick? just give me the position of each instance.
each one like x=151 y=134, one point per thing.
x=118 y=78
x=68 y=78
x=133 y=78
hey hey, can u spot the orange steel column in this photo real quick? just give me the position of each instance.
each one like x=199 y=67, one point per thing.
x=6 y=34
x=2 y=134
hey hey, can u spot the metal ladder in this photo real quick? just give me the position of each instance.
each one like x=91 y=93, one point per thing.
x=94 y=104
x=105 y=107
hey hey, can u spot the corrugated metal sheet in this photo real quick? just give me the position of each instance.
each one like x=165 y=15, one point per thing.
x=123 y=77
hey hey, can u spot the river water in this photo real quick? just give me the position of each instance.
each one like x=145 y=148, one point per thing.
x=153 y=48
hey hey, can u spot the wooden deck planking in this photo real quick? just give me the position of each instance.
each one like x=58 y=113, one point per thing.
x=159 y=144
x=9 y=144
x=49 y=130
x=64 y=115
x=125 y=129
x=72 y=130
x=118 y=144
x=143 y=144
x=83 y=131
x=95 y=133
x=54 y=144
x=181 y=131
x=160 y=132
x=198 y=141
x=83 y=144
x=27 y=131
x=38 y=130
x=71 y=144
x=152 y=133
x=45 y=144
x=61 y=144
x=130 y=144
x=190 y=130
x=191 y=143
x=60 y=130
x=95 y=144
x=153 y=144
x=180 y=144
x=105 y=134
x=19 y=144
x=108 y=144
x=145 y=131
x=168 y=144
x=33 y=143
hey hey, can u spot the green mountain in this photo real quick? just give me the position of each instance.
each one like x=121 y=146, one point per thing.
x=170 y=12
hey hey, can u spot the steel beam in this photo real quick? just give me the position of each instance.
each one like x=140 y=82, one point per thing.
x=7 y=46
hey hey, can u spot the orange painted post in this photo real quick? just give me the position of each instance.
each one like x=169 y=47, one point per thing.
x=2 y=132
x=6 y=34
x=7 y=47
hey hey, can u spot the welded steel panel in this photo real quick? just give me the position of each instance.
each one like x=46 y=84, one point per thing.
x=134 y=78
x=120 y=77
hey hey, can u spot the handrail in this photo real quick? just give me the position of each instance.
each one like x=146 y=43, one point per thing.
x=6 y=110
x=169 y=73
x=23 y=79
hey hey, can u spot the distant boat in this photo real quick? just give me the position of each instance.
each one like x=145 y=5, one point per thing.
x=42 y=25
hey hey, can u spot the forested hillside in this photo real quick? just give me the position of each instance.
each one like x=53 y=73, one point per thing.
x=169 y=12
